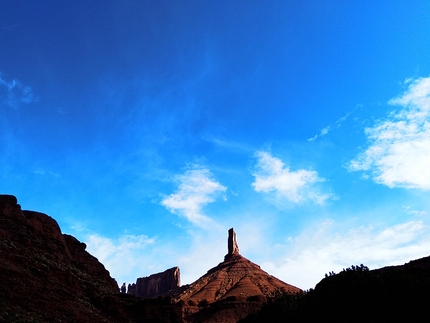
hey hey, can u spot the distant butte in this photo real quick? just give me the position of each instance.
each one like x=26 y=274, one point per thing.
x=156 y=284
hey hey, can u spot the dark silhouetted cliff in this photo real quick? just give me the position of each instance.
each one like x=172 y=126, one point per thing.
x=390 y=294
x=47 y=276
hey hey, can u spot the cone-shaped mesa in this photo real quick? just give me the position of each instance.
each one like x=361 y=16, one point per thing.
x=233 y=248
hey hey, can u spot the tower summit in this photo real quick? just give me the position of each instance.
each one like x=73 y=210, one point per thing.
x=233 y=248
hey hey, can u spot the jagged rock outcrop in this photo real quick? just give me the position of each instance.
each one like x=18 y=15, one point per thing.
x=156 y=284
x=229 y=291
x=47 y=276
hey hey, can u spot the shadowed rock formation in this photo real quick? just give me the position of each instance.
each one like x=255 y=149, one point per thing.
x=156 y=284
x=47 y=276
x=357 y=294
x=229 y=291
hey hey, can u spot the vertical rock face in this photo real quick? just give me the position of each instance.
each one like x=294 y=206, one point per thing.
x=156 y=284
x=233 y=248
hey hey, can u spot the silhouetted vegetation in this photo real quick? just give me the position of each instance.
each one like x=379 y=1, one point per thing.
x=356 y=294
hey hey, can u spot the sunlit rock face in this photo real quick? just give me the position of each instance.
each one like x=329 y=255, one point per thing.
x=157 y=284
x=229 y=291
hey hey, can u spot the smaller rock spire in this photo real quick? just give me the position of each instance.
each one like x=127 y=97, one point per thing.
x=233 y=248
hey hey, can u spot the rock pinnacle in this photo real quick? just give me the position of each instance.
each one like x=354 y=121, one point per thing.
x=233 y=248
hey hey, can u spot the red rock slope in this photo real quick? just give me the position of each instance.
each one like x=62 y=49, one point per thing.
x=229 y=291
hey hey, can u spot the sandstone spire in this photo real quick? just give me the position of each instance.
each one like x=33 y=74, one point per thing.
x=233 y=248
x=230 y=291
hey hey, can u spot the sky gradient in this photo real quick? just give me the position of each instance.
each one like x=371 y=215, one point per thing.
x=147 y=129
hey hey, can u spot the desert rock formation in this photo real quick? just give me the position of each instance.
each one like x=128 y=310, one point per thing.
x=229 y=291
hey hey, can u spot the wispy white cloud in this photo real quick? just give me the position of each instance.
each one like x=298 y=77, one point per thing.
x=14 y=93
x=207 y=249
x=410 y=211
x=399 y=146
x=324 y=131
x=273 y=176
x=231 y=145
x=122 y=256
x=196 y=189
x=130 y=257
x=43 y=172
x=322 y=250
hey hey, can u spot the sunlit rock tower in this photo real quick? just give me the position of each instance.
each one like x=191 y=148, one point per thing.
x=233 y=248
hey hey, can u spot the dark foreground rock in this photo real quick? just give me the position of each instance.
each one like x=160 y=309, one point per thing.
x=47 y=276
x=357 y=294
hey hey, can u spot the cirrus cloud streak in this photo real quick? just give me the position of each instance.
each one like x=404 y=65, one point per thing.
x=14 y=93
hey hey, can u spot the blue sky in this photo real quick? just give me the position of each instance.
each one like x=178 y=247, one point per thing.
x=148 y=128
